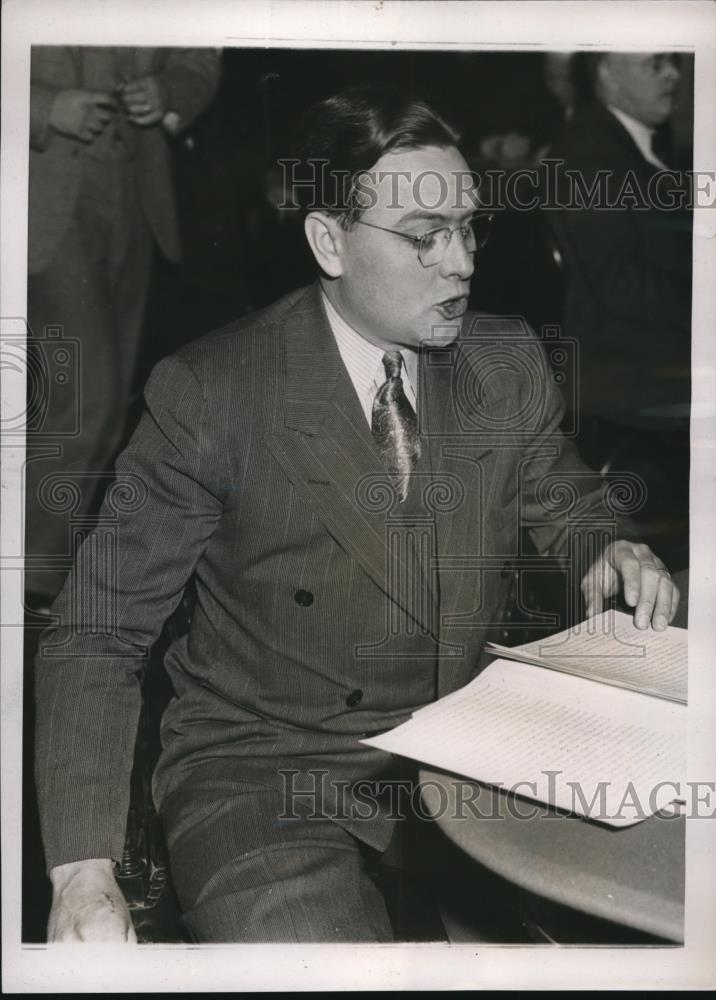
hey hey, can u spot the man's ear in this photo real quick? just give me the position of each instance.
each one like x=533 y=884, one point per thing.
x=325 y=238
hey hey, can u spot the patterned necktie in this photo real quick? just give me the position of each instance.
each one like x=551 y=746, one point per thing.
x=395 y=426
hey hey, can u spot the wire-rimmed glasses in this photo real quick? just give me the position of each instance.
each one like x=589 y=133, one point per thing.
x=433 y=245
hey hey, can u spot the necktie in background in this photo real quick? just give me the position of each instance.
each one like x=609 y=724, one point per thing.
x=661 y=145
x=395 y=426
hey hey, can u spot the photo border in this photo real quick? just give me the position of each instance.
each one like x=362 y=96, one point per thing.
x=686 y=25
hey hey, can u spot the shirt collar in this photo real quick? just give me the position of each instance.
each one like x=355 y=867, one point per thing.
x=363 y=359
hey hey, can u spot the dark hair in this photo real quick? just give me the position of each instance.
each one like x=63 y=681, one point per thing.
x=585 y=67
x=347 y=134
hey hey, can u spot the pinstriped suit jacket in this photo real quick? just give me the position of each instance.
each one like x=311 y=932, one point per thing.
x=324 y=611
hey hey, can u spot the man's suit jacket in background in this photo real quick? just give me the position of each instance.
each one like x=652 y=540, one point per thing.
x=254 y=471
x=627 y=276
x=96 y=211
x=187 y=79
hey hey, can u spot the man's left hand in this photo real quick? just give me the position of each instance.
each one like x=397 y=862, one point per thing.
x=142 y=99
x=646 y=584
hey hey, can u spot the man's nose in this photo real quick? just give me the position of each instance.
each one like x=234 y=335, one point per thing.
x=458 y=260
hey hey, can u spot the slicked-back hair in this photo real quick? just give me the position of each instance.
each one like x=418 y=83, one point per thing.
x=345 y=135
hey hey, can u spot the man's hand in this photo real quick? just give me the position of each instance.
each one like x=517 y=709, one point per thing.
x=87 y=904
x=142 y=99
x=82 y=114
x=646 y=582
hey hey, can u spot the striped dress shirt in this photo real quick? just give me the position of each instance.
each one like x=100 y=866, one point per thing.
x=364 y=362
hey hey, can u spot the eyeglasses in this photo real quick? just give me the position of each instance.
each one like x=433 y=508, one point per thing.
x=433 y=245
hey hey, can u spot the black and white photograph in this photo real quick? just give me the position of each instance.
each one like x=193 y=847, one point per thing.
x=358 y=458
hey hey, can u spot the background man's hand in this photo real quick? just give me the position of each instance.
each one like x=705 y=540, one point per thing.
x=82 y=114
x=142 y=100
x=87 y=904
x=646 y=583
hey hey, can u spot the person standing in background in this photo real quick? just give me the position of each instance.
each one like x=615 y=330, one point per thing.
x=627 y=271
x=100 y=196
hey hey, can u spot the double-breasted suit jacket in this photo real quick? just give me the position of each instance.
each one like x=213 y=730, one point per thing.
x=325 y=611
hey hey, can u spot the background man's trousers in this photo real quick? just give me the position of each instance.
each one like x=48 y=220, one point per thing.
x=95 y=290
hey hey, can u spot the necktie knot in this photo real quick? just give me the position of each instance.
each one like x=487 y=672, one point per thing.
x=392 y=363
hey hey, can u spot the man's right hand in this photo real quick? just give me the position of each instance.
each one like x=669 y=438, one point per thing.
x=82 y=114
x=87 y=904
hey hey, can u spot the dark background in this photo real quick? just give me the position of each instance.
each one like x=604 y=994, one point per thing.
x=240 y=253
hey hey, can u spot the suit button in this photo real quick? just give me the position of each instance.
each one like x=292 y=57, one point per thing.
x=354 y=698
x=507 y=568
x=304 y=598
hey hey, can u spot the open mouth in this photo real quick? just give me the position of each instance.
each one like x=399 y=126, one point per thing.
x=452 y=308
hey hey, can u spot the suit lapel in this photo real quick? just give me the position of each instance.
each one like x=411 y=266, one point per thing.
x=458 y=454
x=624 y=140
x=327 y=450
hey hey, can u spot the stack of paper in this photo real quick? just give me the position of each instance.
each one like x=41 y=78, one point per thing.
x=589 y=743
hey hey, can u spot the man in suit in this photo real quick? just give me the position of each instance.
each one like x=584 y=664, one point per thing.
x=627 y=264
x=100 y=197
x=343 y=475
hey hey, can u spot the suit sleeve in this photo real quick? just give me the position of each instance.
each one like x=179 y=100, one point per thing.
x=188 y=80
x=128 y=577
